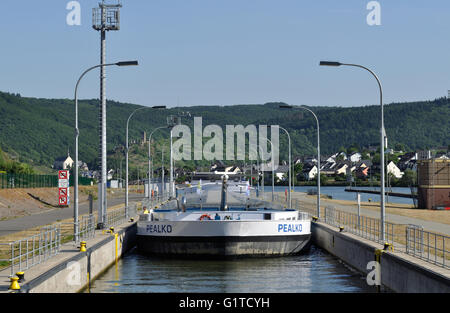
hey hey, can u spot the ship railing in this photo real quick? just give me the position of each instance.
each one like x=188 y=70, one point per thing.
x=155 y=200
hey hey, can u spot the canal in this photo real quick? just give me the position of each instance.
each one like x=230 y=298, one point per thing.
x=315 y=271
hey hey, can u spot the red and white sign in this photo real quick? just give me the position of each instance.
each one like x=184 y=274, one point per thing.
x=63 y=187
x=63 y=174
x=62 y=200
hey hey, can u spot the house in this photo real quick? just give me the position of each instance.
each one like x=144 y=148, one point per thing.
x=341 y=156
x=329 y=159
x=309 y=172
x=442 y=156
x=297 y=160
x=310 y=159
x=110 y=174
x=363 y=164
x=355 y=157
x=63 y=163
x=282 y=172
x=341 y=168
x=394 y=170
x=362 y=172
x=407 y=161
x=328 y=168
x=218 y=166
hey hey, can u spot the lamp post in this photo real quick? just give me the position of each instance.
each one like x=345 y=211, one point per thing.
x=318 y=150
x=273 y=170
x=382 y=138
x=289 y=194
x=126 y=152
x=77 y=133
x=257 y=166
x=150 y=172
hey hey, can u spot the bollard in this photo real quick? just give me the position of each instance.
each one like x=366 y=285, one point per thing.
x=388 y=246
x=21 y=276
x=14 y=283
x=83 y=246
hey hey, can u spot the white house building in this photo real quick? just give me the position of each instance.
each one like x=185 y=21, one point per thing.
x=63 y=163
x=355 y=157
x=394 y=170
x=310 y=173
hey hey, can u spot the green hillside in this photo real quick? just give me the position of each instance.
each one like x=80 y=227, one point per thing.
x=40 y=130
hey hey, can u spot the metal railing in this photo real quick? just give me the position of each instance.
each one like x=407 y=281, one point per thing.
x=119 y=216
x=22 y=254
x=25 y=253
x=363 y=226
x=411 y=239
x=86 y=229
x=431 y=247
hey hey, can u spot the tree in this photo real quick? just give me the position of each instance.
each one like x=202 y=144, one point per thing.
x=399 y=147
x=409 y=178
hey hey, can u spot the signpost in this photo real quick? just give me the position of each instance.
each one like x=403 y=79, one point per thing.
x=63 y=188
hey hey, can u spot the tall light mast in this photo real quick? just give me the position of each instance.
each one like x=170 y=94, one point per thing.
x=104 y=18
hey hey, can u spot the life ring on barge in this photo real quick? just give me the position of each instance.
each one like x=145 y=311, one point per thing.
x=205 y=216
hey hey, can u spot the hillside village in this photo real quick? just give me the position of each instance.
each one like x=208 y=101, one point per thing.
x=338 y=168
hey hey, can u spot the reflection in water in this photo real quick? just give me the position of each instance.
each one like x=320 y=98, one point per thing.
x=314 y=271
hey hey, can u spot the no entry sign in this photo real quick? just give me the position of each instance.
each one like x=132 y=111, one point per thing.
x=62 y=200
x=63 y=174
x=63 y=187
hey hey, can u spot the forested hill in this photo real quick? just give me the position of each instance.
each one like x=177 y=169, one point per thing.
x=40 y=130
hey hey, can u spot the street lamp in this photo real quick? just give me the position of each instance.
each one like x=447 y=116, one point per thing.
x=273 y=170
x=289 y=138
x=382 y=135
x=150 y=172
x=318 y=150
x=126 y=152
x=77 y=132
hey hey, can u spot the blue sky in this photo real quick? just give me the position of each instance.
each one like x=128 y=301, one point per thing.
x=224 y=52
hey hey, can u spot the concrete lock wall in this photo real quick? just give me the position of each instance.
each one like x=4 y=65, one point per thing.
x=75 y=273
x=396 y=272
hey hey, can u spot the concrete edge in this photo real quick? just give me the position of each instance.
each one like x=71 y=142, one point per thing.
x=392 y=263
x=63 y=265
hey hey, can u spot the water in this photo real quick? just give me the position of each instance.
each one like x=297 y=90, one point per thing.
x=339 y=193
x=313 y=271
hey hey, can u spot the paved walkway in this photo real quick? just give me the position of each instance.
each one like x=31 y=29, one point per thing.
x=18 y=224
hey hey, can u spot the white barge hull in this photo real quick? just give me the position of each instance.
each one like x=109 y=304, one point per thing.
x=223 y=238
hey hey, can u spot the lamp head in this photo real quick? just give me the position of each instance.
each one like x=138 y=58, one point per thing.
x=329 y=63
x=127 y=63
